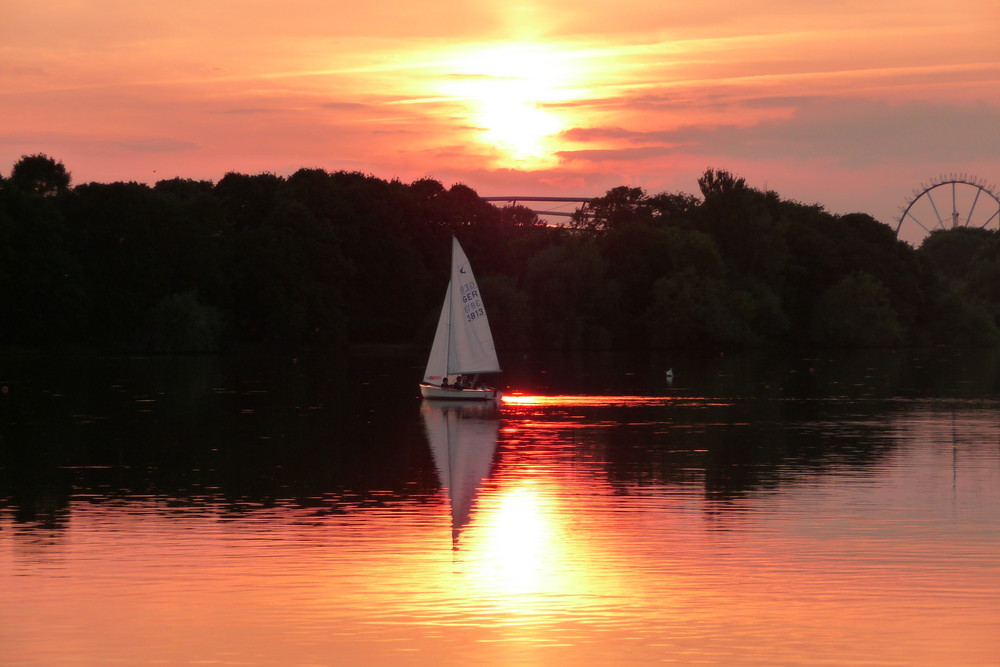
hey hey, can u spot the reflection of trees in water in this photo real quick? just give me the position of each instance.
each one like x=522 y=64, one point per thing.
x=735 y=449
x=767 y=453
x=311 y=462
x=40 y=496
x=239 y=433
x=759 y=421
x=232 y=433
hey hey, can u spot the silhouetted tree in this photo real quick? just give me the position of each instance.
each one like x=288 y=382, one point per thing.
x=249 y=199
x=856 y=312
x=290 y=281
x=571 y=297
x=40 y=174
x=43 y=292
x=619 y=206
x=693 y=311
x=715 y=183
x=182 y=323
x=320 y=259
x=953 y=251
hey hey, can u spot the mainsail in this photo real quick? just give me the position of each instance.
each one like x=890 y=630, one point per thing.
x=463 y=342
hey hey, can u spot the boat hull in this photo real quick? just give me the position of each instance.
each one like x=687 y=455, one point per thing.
x=450 y=394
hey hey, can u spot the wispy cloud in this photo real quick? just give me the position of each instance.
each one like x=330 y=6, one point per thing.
x=850 y=132
x=158 y=145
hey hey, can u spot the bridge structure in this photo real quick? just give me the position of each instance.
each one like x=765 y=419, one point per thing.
x=557 y=206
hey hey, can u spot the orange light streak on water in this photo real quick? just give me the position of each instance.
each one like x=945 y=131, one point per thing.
x=534 y=400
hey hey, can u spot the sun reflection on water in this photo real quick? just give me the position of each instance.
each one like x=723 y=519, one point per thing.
x=517 y=541
x=521 y=562
x=520 y=565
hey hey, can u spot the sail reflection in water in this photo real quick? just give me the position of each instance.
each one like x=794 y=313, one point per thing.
x=463 y=439
x=516 y=557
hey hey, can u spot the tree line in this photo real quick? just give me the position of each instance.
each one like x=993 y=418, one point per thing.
x=321 y=260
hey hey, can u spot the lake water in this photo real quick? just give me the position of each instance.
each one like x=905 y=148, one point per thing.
x=759 y=510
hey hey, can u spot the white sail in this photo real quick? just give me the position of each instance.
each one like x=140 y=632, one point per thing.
x=437 y=363
x=463 y=342
x=470 y=348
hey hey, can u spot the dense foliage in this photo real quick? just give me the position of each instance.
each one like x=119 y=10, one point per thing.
x=325 y=259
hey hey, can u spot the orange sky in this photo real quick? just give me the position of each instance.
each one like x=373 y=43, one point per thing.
x=850 y=107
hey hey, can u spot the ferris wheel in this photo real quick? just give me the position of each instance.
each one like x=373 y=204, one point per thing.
x=956 y=200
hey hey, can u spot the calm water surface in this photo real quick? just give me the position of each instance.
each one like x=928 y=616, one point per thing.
x=273 y=512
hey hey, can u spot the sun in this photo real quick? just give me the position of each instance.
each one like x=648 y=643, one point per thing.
x=510 y=95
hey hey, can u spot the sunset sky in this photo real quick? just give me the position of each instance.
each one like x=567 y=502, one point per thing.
x=850 y=104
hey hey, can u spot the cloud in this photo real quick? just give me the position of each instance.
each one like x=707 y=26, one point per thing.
x=861 y=133
x=157 y=145
x=850 y=133
x=585 y=134
x=616 y=154
x=248 y=111
x=74 y=143
x=345 y=106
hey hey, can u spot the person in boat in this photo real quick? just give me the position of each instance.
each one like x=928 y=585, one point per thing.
x=444 y=382
x=459 y=382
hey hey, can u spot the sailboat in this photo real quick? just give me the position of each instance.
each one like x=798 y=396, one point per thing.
x=463 y=343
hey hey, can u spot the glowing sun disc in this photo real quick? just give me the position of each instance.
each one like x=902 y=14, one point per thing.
x=507 y=92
